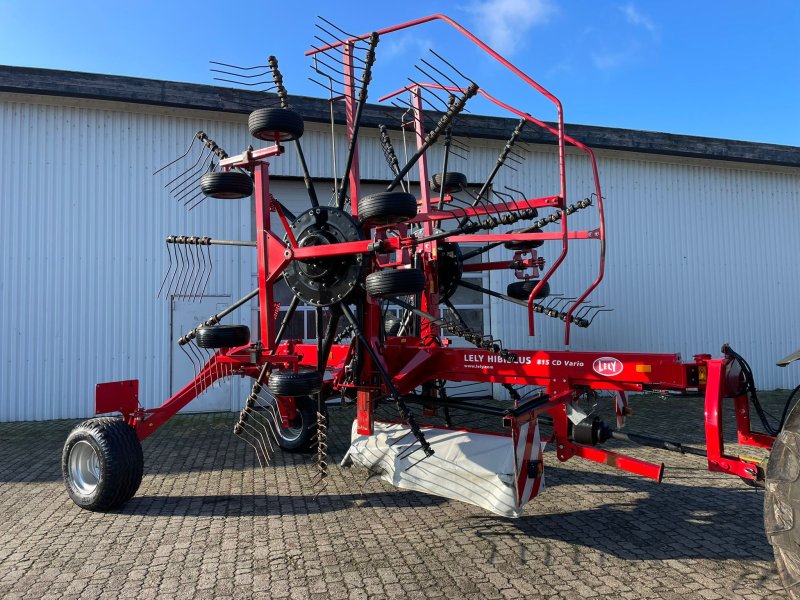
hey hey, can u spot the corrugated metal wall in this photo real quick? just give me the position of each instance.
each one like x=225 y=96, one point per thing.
x=699 y=252
x=82 y=240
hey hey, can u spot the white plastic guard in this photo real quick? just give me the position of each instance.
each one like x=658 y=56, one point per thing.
x=484 y=469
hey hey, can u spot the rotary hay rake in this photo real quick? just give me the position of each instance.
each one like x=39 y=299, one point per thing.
x=380 y=271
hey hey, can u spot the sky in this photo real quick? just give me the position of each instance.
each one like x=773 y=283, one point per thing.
x=719 y=69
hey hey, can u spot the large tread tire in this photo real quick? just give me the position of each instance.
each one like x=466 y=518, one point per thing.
x=385 y=208
x=782 y=503
x=222 y=336
x=395 y=282
x=285 y=382
x=529 y=245
x=226 y=185
x=521 y=290
x=453 y=182
x=300 y=437
x=269 y=124
x=102 y=463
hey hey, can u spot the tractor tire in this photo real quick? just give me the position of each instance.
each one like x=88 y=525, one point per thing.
x=285 y=382
x=385 y=208
x=226 y=185
x=269 y=124
x=102 y=463
x=782 y=503
x=521 y=290
x=529 y=245
x=395 y=282
x=300 y=436
x=453 y=182
x=222 y=336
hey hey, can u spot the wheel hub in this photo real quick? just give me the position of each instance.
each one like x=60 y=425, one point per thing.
x=84 y=467
x=323 y=281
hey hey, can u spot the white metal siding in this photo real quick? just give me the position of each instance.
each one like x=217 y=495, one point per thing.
x=82 y=240
x=699 y=252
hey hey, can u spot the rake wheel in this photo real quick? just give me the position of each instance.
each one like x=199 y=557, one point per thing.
x=222 y=336
x=525 y=245
x=522 y=289
x=453 y=182
x=385 y=208
x=285 y=382
x=226 y=185
x=272 y=124
x=395 y=282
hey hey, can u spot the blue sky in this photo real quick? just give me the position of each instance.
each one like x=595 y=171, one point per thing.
x=720 y=69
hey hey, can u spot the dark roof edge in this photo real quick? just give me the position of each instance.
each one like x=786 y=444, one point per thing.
x=49 y=82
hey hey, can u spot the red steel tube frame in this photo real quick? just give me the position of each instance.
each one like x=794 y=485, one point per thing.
x=565 y=375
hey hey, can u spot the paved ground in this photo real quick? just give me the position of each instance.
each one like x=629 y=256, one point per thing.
x=207 y=523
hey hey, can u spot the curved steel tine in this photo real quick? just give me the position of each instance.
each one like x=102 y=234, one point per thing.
x=257 y=436
x=201 y=276
x=189 y=149
x=194 y=379
x=270 y=405
x=240 y=434
x=262 y=419
x=247 y=83
x=187 y=184
x=199 y=202
x=265 y=438
x=191 y=167
x=208 y=277
x=441 y=58
x=184 y=268
x=453 y=83
x=169 y=268
x=178 y=267
x=585 y=310
x=242 y=75
x=190 y=266
x=222 y=64
x=598 y=312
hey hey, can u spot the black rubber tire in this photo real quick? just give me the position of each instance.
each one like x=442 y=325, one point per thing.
x=392 y=325
x=530 y=245
x=120 y=463
x=395 y=282
x=300 y=437
x=222 y=336
x=453 y=182
x=285 y=382
x=782 y=503
x=226 y=185
x=385 y=208
x=270 y=123
x=522 y=289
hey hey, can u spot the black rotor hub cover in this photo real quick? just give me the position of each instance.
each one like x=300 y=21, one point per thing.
x=451 y=267
x=324 y=281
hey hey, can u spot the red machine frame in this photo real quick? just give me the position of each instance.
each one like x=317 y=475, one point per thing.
x=413 y=361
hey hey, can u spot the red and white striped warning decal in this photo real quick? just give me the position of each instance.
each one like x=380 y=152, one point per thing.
x=528 y=461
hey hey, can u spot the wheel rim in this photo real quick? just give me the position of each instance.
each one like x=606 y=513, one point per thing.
x=84 y=467
x=292 y=433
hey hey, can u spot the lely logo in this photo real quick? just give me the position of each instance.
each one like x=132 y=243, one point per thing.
x=608 y=366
